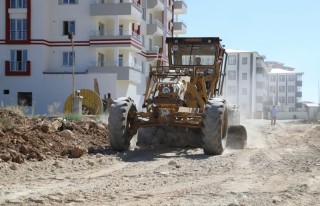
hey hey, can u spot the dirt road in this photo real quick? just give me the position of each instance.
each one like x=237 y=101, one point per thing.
x=280 y=166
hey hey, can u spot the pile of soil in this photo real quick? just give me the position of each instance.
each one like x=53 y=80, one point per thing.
x=37 y=138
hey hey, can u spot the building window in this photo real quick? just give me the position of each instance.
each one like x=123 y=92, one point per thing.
x=282 y=89
x=68 y=2
x=291 y=109
x=291 y=78
x=100 y=60
x=120 y=60
x=142 y=68
x=231 y=90
x=244 y=60
x=18 y=4
x=282 y=100
x=259 y=62
x=299 y=99
x=25 y=99
x=101 y=29
x=273 y=78
x=69 y=27
x=272 y=89
x=244 y=91
x=282 y=78
x=18 y=60
x=232 y=59
x=143 y=40
x=290 y=88
x=6 y=91
x=299 y=89
x=231 y=75
x=18 y=29
x=144 y=14
x=290 y=99
x=67 y=59
x=244 y=76
x=121 y=30
x=299 y=77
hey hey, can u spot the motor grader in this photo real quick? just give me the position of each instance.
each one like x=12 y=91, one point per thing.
x=182 y=93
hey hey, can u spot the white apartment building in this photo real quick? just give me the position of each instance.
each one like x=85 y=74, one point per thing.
x=285 y=89
x=255 y=85
x=246 y=82
x=115 y=42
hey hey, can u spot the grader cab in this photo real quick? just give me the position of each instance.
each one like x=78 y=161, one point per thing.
x=186 y=92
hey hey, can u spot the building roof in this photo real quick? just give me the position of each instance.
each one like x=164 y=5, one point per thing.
x=238 y=51
x=283 y=71
x=311 y=104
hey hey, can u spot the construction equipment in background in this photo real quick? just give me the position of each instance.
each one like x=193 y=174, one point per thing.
x=182 y=94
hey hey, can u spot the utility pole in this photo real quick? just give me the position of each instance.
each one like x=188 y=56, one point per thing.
x=70 y=36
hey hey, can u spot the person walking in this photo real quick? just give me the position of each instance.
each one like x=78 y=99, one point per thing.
x=273 y=112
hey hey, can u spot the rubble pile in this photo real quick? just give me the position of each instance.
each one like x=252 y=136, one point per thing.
x=24 y=138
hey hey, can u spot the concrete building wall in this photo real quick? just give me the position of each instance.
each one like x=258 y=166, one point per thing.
x=50 y=82
x=248 y=89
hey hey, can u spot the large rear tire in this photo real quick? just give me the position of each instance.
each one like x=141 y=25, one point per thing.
x=121 y=123
x=215 y=127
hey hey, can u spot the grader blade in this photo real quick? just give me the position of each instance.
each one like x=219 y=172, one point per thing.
x=237 y=137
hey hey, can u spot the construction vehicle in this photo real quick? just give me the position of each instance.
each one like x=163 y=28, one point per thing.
x=182 y=94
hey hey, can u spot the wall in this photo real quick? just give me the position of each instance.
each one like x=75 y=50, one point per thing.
x=290 y=115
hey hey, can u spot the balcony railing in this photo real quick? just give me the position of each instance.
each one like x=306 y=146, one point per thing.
x=151 y=4
x=180 y=6
x=158 y=23
x=17 y=68
x=119 y=33
x=154 y=49
x=133 y=2
x=113 y=64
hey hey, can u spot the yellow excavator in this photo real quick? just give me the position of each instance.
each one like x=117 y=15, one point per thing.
x=186 y=92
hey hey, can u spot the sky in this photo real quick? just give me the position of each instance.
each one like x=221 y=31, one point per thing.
x=286 y=31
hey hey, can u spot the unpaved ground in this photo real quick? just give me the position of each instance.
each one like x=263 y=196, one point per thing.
x=280 y=166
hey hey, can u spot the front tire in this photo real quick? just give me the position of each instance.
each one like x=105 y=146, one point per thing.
x=121 y=123
x=215 y=127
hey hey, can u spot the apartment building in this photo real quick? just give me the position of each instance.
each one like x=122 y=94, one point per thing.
x=115 y=42
x=285 y=89
x=246 y=82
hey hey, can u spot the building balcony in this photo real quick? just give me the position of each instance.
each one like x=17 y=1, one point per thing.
x=298 y=83
x=298 y=105
x=298 y=94
x=121 y=38
x=128 y=9
x=155 y=5
x=17 y=68
x=155 y=28
x=153 y=53
x=180 y=7
x=128 y=71
x=179 y=28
